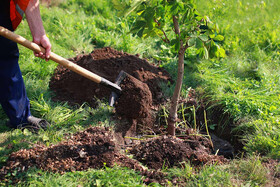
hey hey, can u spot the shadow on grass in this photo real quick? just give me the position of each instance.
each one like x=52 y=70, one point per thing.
x=4 y=128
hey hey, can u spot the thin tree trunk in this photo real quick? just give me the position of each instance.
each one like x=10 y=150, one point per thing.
x=172 y=118
x=175 y=98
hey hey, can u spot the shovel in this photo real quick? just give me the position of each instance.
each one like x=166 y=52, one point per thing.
x=116 y=89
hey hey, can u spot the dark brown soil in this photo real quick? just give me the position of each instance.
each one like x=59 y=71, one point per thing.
x=136 y=92
x=107 y=63
x=140 y=89
x=134 y=104
x=91 y=148
x=95 y=147
x=167 y=151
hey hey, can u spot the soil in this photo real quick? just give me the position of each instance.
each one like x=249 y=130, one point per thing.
x=91 y=148
x=140 y=89
x=95 y=147
x=107 y=63
x=167 y=151
x=135 y=101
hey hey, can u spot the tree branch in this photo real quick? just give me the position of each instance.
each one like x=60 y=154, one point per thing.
x=176 y=26
x=186 y=46
x=166 y=38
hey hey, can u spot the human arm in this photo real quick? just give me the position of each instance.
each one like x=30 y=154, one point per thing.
x=35 y=23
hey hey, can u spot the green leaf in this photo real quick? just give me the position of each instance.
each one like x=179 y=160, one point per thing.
x=133 y=7
x=212 y=36
x=203 y=52
x=140 y=32
x=203 y=37
x=184 y=34
x=219 y=38
x=140 y=24
x=174 y=9
x=26 y=132
x=150 y=24
x=213 y=44
x=221 y=53
x=192 y=41
x=213 y=126
x=117 y=5
x=163 y=47
x=177 y=46
x=45 y=138
x=173 y=42
x=206 y=54
x=200 y=52
x=198 y=43
x=198 y=18
x=98 y=182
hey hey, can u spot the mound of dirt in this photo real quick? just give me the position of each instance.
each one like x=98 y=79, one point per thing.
x=140 y=89
x=167 y=151
x=95 y=146
x=91 y=148
x=107 y=63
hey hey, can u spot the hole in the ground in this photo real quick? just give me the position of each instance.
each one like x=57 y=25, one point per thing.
x=191 y=120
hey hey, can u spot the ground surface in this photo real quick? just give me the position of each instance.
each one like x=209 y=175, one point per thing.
x=141 y=95
x=94 y=147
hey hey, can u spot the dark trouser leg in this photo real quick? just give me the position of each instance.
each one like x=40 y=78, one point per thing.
x=12 y=90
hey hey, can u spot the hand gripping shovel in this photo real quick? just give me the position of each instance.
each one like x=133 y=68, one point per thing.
x=116 y=89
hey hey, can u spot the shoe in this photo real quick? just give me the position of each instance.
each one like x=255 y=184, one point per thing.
x=33 y=124
x=37 y=122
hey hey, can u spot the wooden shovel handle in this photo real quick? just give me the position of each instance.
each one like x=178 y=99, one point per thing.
x=64 y=62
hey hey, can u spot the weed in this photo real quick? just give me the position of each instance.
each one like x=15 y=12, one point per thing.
x=250 y=170
x=212 y=176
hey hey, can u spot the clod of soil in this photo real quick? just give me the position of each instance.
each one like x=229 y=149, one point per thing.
x=135 y=100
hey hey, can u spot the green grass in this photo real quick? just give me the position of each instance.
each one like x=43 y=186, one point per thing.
x=115 y=176
x=245 y=84
x=239 y=172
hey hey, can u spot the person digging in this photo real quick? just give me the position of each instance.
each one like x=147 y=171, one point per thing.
x=13 y=96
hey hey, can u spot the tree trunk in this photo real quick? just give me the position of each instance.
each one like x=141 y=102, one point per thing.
x=172 y=118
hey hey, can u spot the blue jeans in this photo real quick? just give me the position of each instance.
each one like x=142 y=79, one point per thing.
x=13 y=96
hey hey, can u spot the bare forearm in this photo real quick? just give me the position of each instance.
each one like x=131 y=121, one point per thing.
x=35 y=23
x=34 y=20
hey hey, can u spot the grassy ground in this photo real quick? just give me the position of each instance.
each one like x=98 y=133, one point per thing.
x=249 y=77
x=245 y=84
